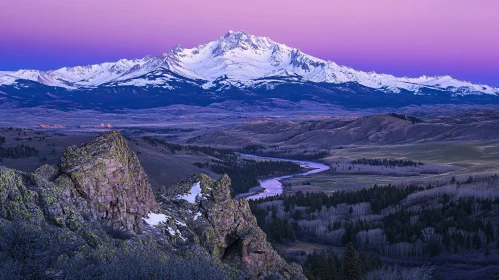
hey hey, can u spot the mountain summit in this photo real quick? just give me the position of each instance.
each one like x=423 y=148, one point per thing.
x=237 y=59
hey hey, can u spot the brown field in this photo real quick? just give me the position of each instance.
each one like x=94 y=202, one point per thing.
x=468 y=157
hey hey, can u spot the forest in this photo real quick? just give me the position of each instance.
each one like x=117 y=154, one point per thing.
x=330 y=265
x=420 y=222
x=353 y=265
x=19 y=151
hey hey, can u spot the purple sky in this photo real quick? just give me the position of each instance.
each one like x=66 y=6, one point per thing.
x=400 y=37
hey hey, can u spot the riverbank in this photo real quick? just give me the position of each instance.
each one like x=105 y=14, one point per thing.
x=273 y=186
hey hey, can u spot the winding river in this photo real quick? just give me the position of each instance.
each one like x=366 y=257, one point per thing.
x=273 y=186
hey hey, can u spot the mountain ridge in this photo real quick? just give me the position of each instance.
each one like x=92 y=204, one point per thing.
x=245 y=60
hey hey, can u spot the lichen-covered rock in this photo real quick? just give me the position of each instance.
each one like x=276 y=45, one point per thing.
x=102 y=179
x=49 y=172
x=225 y=227
x=17 y=201
x=31 y=197
x=109 y=175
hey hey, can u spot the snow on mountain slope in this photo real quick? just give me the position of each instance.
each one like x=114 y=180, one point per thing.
x=237 y=59
x=98 y=74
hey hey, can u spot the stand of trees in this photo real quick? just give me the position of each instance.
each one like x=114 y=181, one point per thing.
x=328 y=265
x=19 y=151
x=414 y=120
x=387 y=167
x=421 y=221
x=285 y=153
x=386 y=162
x=245 y=174
x=379 y=198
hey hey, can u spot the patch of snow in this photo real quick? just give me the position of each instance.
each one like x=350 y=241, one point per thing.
x=198 y=214
x=154 y=219
x=171 y=231
x=176 y=232
x=180 y=223
x=193 y=193
x=52 y=95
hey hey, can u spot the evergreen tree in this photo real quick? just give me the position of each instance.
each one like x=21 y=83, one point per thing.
x=352 y=264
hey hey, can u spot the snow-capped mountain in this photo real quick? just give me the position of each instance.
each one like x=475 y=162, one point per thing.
x=236 y=60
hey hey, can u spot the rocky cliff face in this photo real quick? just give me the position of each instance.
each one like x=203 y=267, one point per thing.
x=109 y=175
x=224 y=226
x=102 y=185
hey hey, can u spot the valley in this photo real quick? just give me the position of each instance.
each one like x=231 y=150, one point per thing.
x=374 y=181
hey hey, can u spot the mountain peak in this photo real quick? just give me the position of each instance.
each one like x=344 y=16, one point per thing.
x=240 y=40
x=244 y=58
x=231 y=32
x=178 y=48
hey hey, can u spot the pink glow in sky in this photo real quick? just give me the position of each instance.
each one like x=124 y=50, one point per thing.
x=401 y=37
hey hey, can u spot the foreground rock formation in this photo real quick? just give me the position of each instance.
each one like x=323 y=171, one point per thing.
x=224 y=226
x=109 y=176
x=101 y=186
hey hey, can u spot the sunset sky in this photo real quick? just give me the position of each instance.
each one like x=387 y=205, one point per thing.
x=400 y=37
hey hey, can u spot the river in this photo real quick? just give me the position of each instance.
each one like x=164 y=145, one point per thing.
x=273 y=186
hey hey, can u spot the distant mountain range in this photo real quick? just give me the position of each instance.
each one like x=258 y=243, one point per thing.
x=235 y=66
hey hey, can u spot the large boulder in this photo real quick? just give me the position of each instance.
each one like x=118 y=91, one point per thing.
x=109 y=175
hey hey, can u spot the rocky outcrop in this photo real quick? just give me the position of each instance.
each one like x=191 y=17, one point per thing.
x=109 y=175
x=225 y=227
x=103 y=179
x=31 y=197
x=102 y=185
